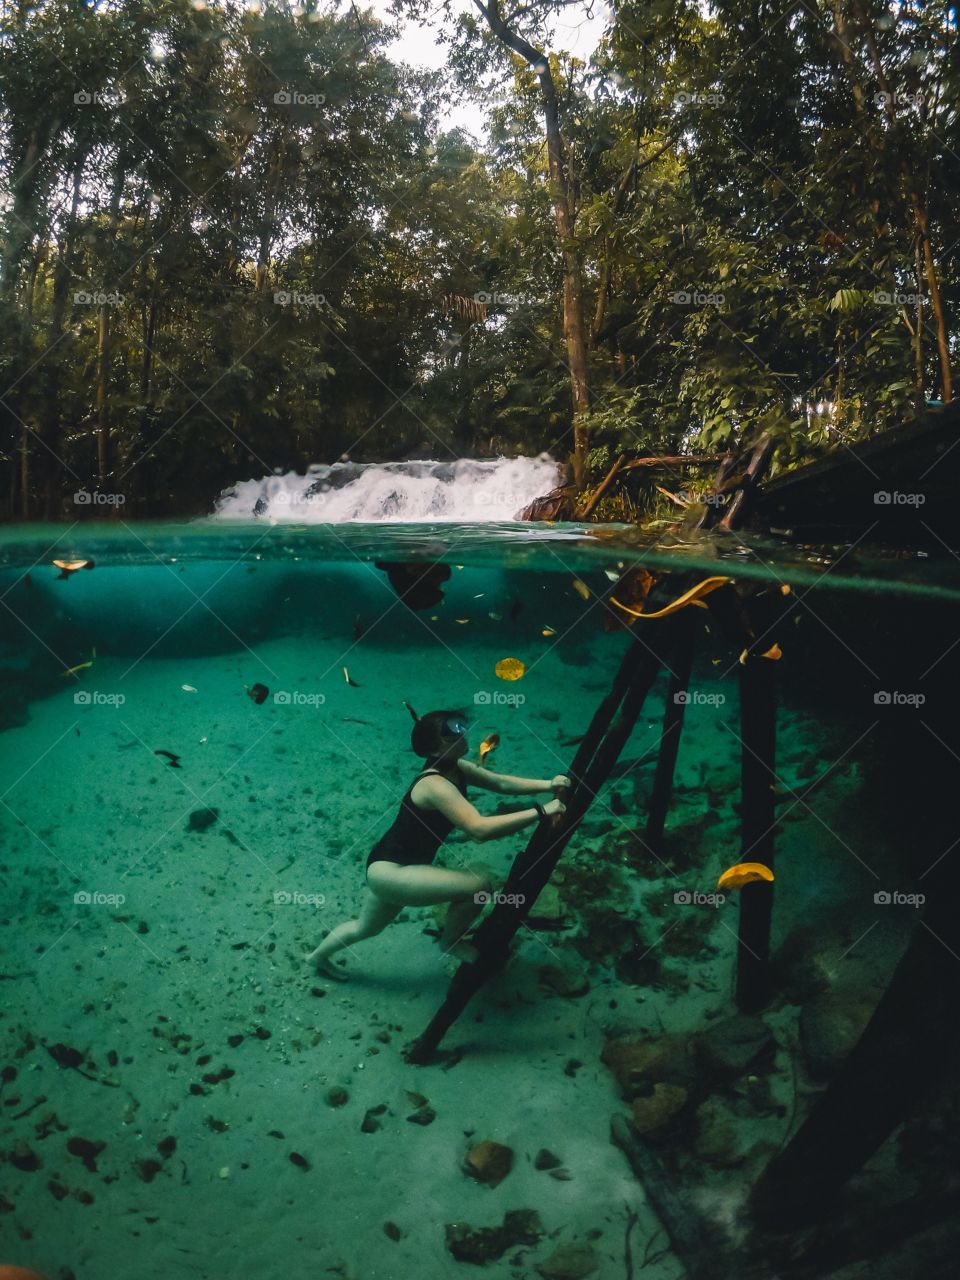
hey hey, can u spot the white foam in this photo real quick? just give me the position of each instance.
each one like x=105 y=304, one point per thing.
x=463 y=492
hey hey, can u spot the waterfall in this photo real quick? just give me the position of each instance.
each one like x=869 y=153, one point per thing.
x=462 y=492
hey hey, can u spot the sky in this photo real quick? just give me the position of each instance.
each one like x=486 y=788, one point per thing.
x=576 y=32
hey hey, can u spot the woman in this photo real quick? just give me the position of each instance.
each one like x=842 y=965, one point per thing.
x=399 y=869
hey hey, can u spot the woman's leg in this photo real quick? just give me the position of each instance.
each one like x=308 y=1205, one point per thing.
x=425 y=886
x=374 y=916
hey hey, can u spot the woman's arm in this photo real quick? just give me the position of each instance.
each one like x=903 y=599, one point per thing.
x=437 y=793
x=505 y=783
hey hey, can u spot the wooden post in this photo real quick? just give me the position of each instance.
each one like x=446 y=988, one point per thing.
x=910 y=1042
x=677 y=697
x=758 y=732
x=533 y=867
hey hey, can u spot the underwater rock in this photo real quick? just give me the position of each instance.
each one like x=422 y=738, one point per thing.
x=716 y=1141
x=547 y=912
x=392 y=1231
x=569 y=1262
x=489 y=1162
x=23 y=1157
x=545 y=1159
x=424 y=1116
x=653 y=1111
x=86 y=1151
x=481 y=1245
x=337 y=1096
x=830 y=1025
x=370 y=1122
x=201 y=819
x=732 y=1045
x=797 y=969
x=564 y=979
x=147 y=1170
x=638 y=1064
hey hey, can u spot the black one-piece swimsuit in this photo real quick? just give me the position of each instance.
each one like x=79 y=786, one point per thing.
x=416 y=834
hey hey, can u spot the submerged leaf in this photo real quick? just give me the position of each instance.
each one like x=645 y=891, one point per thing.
x=489 y=744
x=510 y=668
x=744 y=873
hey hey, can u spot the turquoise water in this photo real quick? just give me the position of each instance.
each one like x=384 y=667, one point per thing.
x=173 y=846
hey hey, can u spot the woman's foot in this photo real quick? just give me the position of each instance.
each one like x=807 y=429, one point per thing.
x=327 y=969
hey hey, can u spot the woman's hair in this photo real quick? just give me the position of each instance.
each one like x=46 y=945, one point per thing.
x=428 y=736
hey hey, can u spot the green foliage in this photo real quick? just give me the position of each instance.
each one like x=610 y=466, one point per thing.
x=750 y=199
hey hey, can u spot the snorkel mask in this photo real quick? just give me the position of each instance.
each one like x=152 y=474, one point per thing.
x=455 y=726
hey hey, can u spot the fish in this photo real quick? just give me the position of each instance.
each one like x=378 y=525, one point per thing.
x=81 y=666
x=489 y=745
x=349 y=679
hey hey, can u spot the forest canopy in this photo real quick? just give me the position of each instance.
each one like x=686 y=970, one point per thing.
x=239 y=238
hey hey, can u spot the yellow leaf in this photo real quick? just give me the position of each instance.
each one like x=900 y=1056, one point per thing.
x=689 y=597
x=744 y=873
x=510 y=668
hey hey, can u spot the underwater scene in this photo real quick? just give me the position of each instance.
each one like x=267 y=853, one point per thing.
x=709 y=923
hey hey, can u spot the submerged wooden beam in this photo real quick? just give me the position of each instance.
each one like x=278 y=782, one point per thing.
x=677 y=698
x=758 y=820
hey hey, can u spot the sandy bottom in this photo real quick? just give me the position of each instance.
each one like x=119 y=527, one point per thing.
x=206 y=1046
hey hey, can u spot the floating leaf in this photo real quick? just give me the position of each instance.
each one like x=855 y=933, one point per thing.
x=581 y=588
x=774 y=653
x=548 y=631
x=744 y=873
x=510 y=669
x=349 y=679
x=188 y=688
x=67 y=567
x=463 y=621
x=689 y=597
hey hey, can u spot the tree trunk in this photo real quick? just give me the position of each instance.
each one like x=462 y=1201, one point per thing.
x=564 y=213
